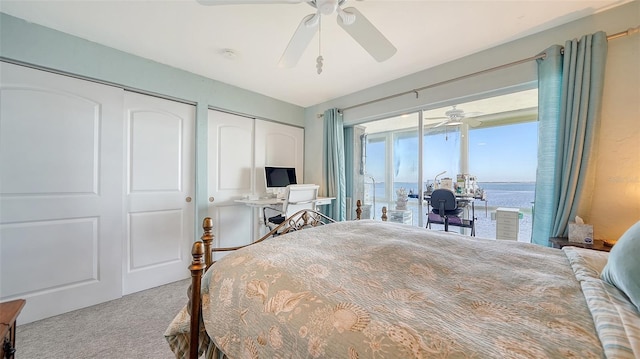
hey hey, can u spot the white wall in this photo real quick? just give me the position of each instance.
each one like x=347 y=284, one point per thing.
x=616 y=202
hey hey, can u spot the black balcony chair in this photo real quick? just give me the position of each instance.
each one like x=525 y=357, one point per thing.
x=447 y=212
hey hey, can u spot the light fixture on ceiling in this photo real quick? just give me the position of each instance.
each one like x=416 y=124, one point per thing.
x=229 y=54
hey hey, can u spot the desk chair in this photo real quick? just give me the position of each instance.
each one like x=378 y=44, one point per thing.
x=297 y=197
x=446 y=211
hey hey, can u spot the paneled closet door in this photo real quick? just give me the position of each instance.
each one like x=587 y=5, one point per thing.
x=61 y=192
x=277 y=145
x=159 y=191
x=230 y=164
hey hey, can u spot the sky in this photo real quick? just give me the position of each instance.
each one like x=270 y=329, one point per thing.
x=505 y=153
x=496 y=154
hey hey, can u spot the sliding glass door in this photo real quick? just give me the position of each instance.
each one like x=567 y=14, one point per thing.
x=494 y=142
x=393 y=167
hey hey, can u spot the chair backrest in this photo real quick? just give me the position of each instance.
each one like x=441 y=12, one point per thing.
x=444 y=195
x=299 y=197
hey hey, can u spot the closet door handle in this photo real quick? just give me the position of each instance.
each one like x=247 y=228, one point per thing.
x=211 y=199
x=188 y=199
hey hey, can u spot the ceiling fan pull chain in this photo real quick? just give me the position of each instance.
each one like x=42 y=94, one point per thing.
x=319 y=64
x=319 y=59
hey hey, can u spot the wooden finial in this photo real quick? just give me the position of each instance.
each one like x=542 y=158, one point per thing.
x=384 y=214
x=358 y=210
x=197 y=251
x=197 y=268
x=207 y=240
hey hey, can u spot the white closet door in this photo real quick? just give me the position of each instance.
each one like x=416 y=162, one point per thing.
x=159 y=184
x=230 y=164
x=278 y=145
x=61 y=193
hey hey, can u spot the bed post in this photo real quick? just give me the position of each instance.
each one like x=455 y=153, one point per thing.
x=197 y=268
x=384 y=214
x=207 y=240
x=358 y=209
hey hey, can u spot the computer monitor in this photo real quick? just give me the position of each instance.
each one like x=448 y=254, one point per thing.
x=279 y=177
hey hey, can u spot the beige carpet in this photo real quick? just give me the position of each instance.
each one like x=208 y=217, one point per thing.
x=129 y=327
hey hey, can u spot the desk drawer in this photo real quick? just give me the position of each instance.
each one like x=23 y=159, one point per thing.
x=507 y=232
x=507 y=225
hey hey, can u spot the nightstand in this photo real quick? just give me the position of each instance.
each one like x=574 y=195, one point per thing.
x=598 y=245
x=8 y=314
x=400 y=216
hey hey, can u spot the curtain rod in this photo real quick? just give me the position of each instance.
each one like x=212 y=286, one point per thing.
x=630 y=31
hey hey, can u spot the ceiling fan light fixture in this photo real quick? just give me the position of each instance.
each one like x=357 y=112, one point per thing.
x=327 y=7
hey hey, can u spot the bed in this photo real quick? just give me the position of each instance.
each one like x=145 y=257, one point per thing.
x=371 y=289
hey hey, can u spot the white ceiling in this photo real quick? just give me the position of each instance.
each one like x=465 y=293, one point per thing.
x=193 y=37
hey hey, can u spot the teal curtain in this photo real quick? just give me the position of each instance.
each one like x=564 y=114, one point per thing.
x=333 y=165
x=549 y=89
x=569 y=102
x=349 y=156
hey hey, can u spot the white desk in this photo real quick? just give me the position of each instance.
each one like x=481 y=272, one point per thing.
x=262 y=203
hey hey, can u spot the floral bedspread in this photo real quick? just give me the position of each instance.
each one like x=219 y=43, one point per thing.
x=366 y=289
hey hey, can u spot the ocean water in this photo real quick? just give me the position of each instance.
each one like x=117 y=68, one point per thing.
x=498 y=194
x=509 y=194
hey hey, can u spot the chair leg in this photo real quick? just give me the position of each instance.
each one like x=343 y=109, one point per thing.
x=441 y=212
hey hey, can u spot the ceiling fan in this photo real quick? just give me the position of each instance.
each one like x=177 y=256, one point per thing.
x=350 y=19
x=457 y=116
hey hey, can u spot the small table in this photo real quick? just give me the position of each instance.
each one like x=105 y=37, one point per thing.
x=266 y=202
x=598 y=245
x=8 y=314
x=262 y=203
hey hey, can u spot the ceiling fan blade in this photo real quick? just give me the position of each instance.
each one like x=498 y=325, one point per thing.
x=239 y=2
x=436 y=118
x=299 y=42
x=472 y=122
x=472 y=114
x=368 y=36
x=441 y=123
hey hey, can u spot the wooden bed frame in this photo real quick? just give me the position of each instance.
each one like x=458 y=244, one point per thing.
x=202 y=253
